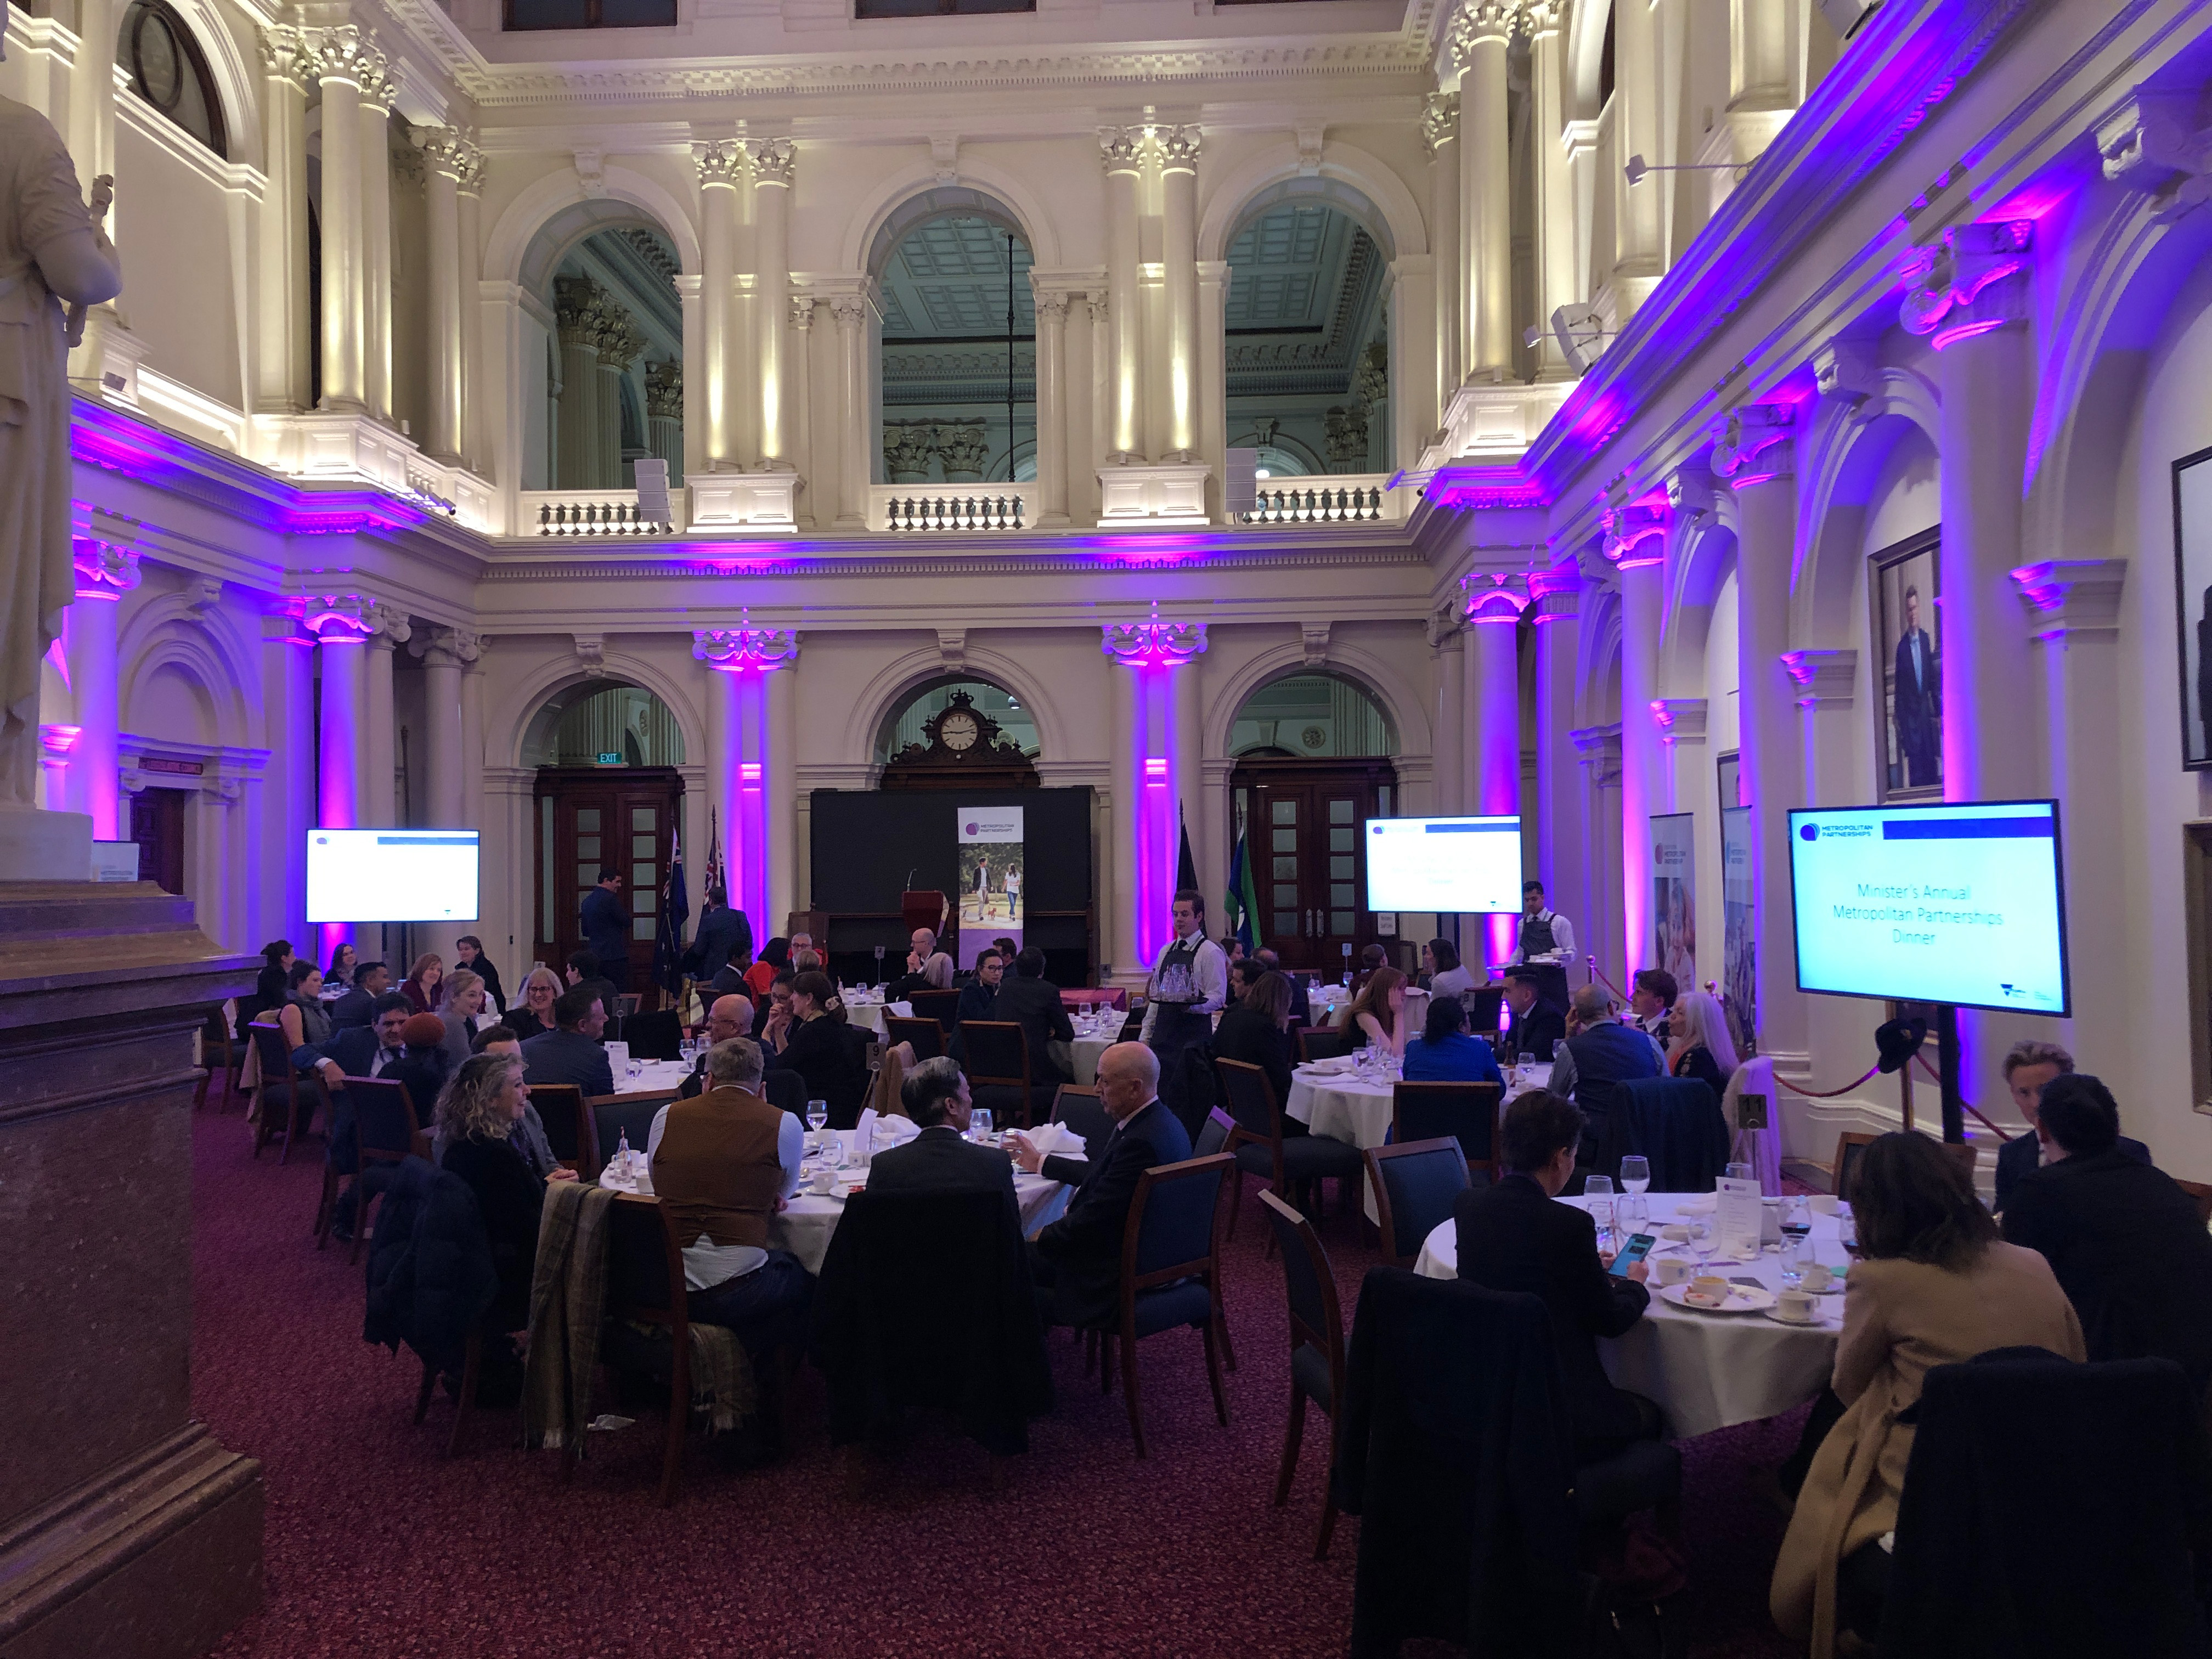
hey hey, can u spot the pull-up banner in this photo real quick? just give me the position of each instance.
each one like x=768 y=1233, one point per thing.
x=990 y=840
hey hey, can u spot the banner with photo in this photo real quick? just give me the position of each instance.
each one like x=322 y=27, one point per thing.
x=1673 y=942
x=990 y=906
x=1739 y=945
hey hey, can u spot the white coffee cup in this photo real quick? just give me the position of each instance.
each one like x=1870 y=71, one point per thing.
x=1816 y=1277
x=822 y=1181
x=1825 y=1203
x=1795 y=1304
x=1671 y=1269
x=1675 y=1233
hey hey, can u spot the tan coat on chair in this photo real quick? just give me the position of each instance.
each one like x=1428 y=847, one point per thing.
x=1900 y=1318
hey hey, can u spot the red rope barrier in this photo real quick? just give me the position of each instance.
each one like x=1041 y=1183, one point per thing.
x=1600 y=973
x=1826 y=1094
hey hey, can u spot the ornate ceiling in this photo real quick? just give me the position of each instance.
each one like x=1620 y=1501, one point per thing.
x=1305 y=294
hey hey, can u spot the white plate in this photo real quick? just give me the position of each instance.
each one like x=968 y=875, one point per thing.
x=1743 y=1298
x=1818 y=1320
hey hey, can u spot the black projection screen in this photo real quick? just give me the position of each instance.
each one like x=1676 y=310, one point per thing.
x=865 y=843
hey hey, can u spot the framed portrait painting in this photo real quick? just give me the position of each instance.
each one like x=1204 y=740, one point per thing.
x=1908 y=645
x=2192 y=575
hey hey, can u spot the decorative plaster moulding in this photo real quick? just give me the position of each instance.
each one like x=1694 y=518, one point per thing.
x=758 y=503
x=1168 y=496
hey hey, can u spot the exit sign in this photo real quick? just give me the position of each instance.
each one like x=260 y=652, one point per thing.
x=611 y=760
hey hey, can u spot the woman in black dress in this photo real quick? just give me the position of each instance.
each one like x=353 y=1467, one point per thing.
x=821 y=1050
x=1256 y=1030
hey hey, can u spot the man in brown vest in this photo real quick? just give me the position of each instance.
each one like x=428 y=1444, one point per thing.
x=723 y=1163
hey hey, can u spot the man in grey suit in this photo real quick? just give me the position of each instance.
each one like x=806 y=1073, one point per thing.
x=940 y=1159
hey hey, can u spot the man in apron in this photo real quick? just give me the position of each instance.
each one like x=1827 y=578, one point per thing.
x=1546 y=935
x=1189 y=985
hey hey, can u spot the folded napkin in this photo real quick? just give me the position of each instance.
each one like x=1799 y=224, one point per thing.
x=1056 y=1140
x=1334 y=1066
x=895 y=1132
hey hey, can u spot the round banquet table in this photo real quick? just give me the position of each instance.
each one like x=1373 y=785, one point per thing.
x=657 y=1077
x=805 y=1223
x=871 y=1013
x=1347 y=1107
x=1707 y=1370
x=1093 y=1039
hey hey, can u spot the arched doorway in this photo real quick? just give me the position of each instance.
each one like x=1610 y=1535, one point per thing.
x=1307 y=353
x=959 y=370
x=1312 y=751
x=610 y=792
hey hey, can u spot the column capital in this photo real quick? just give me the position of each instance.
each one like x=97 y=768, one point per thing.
x=1636 y=533
x=339 y=618
x=1492 y=597
x=1480 y=22
x=802 y=312
x=342 y=53
x=1543 y=17
x=1679 y=719
x=1754 y=445
x=1439 y=120
x=1848 y=372
x=717 y=161
x=2152 y=143
x=1825 y=679
x=287 y=55
x=1691 y=495
x=1121 y=149
x=388 y=626
x=2066 y=597
x=1052 y=306
x=1971 y=282
x=1555 y=593
x=1178 y=148
x=1444 y=625
x=772 y=160
x=850 y=311
x=450 y=152
x=664 y=390
x=733 y=650
x=105 y=569
x=1152 y=643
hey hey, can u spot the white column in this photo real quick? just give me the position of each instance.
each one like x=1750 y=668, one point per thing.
x=1213 y=376
x=105 y=573
x=853 y=461
x=576 y=313
x=92 y=90
x=1128 y=786
x=283 y=311
x=1447 y=767
x=1440 y=134
x=1051 y=509
x=1755 y=453
x=1554 y=198
x=1480 y=33
x=375 y=112
x=1491 y=780
x=468 y=647
x=288 y=703
x=477 y=445
x=771 y=161
x=340 y=625
x=1097 y=367
x=1179 y=253
x=780 y=790
x=1826 y=682
x=379 y=797
x=717 y=164
x=1556 y=600
x=1639 y=236
x=664 y=416
x=442 y=740
x=1643 y=600
x=444 y=164
x=1124 y=157
x=798 y=375
x=342 y=60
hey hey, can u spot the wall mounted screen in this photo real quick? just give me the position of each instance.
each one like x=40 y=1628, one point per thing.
x=1960 y=903
x=391 y=875
x=1470 y=866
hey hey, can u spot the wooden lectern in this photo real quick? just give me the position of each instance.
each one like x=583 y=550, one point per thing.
x=925 y=908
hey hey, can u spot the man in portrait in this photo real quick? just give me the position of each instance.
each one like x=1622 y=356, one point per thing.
x=1916 y=703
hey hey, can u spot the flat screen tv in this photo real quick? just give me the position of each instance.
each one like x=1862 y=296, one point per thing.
x=1464 y=864
x=391 y=875
x=1958 y=902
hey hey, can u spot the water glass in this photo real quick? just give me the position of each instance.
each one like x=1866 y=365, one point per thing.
x=979 y=1125
x=1636 y=1174
x=1740 y=1172
x=818 y=1113
x=1598 y=1190
x=1792 y=1270
x=1634 y=1212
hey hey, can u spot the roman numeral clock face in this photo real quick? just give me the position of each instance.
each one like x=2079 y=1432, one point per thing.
x=958 y=730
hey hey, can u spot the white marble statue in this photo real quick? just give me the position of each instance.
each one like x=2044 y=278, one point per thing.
x=53 y=250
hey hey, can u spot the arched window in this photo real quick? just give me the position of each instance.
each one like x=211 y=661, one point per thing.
x=168 y=69
x=587 y=724
x=1311 y=717
x=905 y=726
x=959 y=350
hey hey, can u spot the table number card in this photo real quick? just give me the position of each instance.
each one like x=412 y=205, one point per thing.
x=1751 y=1111
x=1736 y=1218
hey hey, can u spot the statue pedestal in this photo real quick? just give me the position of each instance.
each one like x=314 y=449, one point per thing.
x=42 y=845
x=125 y=1528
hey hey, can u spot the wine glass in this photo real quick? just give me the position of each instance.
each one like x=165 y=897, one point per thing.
x=979 y=1125
x=1636 y=1174
x=1796 y=1229
x=1703 y=1240
x=817 y=1115
x=1598 y=1190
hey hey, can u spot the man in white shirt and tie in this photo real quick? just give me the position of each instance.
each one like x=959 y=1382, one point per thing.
x=1546 y=935
x=1189 y=985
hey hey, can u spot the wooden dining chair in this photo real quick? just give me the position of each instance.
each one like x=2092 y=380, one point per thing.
x=645 y=1286
x=943 y=1007
x=560 y=1109
x=1416 y=1183
x=997 y=1059
x=1170 y=1272
x=217 y=1053
x=464 y=1403
x=608 y=1118
x=1316 y=1347
x=1288 y=1163
x=1326 y=1044
x=1076 y=1105
x=925 y=1036
x=1484 y=1004
x=385 y=1125
x=1466 y=1112
x=283 y=1089
x=1851 y=1146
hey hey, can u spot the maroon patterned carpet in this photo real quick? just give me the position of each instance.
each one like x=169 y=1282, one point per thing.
x=376 y=1546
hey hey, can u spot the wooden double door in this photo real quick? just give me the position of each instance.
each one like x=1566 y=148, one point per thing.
x=1301 y=822
x=589 y=816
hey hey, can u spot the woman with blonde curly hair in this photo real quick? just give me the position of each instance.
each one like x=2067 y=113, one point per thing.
x=476 y=1114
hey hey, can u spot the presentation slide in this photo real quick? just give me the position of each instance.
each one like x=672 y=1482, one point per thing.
x=1467 y=864
x=391 y=875
x=1957 y=903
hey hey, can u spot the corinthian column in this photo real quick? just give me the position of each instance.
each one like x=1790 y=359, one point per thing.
x=283 y=313
x=663 y=416
x=1440 y=135
x=620 y=342
x=343 y=59
x=772 y=168
x=441 y=721
x=380 y=798
x=375 y=115
x=444 y=164
x=105 y=573
x=1179 y=253
x=1554 y=202
x=718 y=164
x=1123 y=152
x=475 y=443
x=576 y=300
x=1480 y=34
x=851 y=313
x=1052 y=411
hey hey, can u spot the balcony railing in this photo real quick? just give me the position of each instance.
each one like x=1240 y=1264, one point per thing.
x=594 y=512
x=951 y=508
x=1331 y=498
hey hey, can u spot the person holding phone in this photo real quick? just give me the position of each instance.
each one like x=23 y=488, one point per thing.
x=1513 y=1238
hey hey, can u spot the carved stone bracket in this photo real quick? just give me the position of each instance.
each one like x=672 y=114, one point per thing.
x=944 y=157
x=202 y=595
x=1753 y=444
x=105 y=569
x=1825 y=679
x=592 y=654
x=1311 y=138
x=743 y=646
x=1439 y=120
x=2066 y=599
x=1313 y=642
x=952 y=646
x=1493 y=597
x=1958 y=286
x=1555 y=592
x=1153 y=643
x=2152 y=143
x=1445 y=624
x=1847 y=371
x=1679 y=720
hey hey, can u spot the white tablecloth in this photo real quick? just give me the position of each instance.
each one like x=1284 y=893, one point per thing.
x=871 y=1014
x=804 y=1226
x=1085 y=1049
x=1345 y=1107
x=657 y=1077
x=1707 y=1371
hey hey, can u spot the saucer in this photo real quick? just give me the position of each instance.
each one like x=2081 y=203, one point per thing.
x=1741 y=1298
x=1780 y=1318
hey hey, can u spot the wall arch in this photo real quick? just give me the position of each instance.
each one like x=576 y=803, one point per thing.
x=1353 y=181
x=531 y=212
x=240 y=91
x=1586 y=31
x=1405 y=705
x=887 y=202
x=1850 y=460
x=507 y=726
x=168 y=632
x=898 y=679
x=1706 y=560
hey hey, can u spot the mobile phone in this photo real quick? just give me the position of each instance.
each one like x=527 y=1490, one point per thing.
x=1631 y=1253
